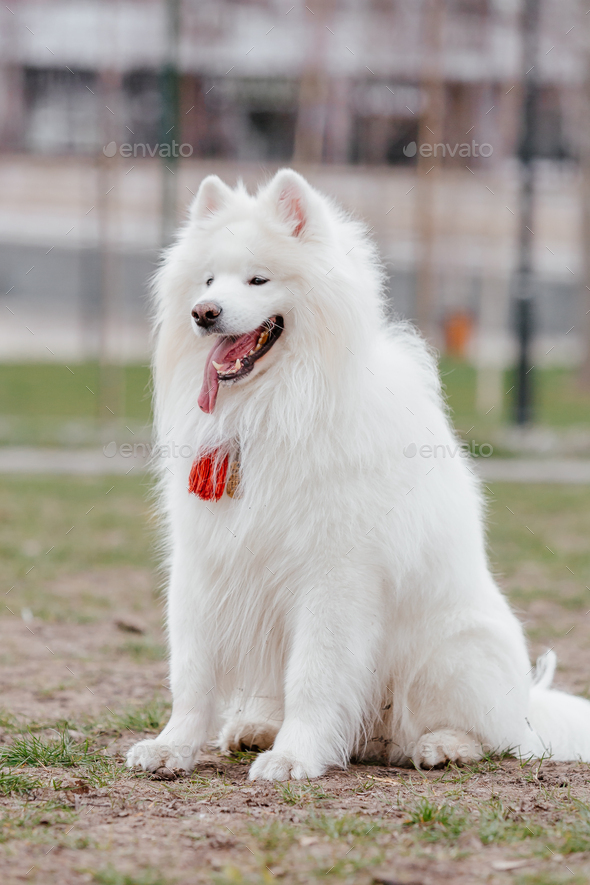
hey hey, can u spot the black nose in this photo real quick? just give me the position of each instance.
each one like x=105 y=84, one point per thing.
x=206 y=314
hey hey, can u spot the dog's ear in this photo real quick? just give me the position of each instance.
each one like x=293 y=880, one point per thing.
x=212 y=196
x=289 y=193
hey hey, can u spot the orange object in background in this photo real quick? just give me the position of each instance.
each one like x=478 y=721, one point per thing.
x=458 y=330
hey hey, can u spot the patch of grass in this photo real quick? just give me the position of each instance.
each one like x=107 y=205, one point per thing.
x=80 y=843
x=243 y=757
x=559 y=401
x=33 y=821
x=366 y=786
x=51 y=403
x=67 y=545
x=104 y=771
x=16 y=782
x=300 y=794
x=204 y=788
x=142 y=650
x=549 y=878
x=110 y=876
x=54 y=390
x=488 y=764
x=231 y=875
x=434 y=822
x=574 y=833
x=151 y=717
x=538 y=534
x=342 y=827
x=498 y=823
x=273 y=836
x=8 y=721
x=32 y=750
x=345 y=868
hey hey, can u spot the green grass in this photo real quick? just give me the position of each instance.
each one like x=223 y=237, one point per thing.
x=14 y=782
x=347 y=826
x=573 y=833
x=58 y=535
x=274 y=836
x=56 y=391
x=34 y=821
x=434 y=822
x=538 y=541
x=242 y=757
x=110 y=876
x=550 y=878
x=54 y=404
x=499 y=824
x=31 y=750
x=299 y=794
x=151 y=717
x=231 y=875
x=48 y=404
x=142 y=650
x=558 y=400
x=8 y=721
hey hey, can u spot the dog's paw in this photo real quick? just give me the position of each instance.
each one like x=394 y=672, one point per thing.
x=446 y=745
x=155 y=753
x=276 y=766
x=239 y=734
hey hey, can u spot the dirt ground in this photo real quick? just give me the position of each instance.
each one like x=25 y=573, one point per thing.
x=83 y=675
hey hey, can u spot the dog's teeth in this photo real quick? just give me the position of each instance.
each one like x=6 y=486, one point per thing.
x=237 y=366
x=218 y=366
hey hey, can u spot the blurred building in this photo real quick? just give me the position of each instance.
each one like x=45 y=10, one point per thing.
x=344 y=90
x=245 y=66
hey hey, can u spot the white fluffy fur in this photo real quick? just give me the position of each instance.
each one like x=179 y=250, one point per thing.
x=344 y=604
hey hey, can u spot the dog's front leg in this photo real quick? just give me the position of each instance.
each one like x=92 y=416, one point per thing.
x=192 y=680
x=330 y=682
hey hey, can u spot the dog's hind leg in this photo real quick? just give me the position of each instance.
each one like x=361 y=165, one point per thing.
x=251 y=724
x=446 y=745
x=469 y=696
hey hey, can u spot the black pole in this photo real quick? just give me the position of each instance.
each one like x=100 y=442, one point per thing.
x=524 y=301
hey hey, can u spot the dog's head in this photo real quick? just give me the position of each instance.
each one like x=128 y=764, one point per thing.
x=251 y=249
x=268 y=281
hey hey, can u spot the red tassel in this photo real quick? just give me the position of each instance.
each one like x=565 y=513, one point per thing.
x=208 y=476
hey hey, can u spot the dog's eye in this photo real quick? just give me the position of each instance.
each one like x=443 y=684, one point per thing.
x=209 y=281
x=258 y=281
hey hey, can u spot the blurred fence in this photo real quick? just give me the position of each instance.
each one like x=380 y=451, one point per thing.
x=56 y=224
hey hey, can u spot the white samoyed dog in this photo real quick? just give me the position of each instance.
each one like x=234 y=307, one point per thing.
x=329 y=596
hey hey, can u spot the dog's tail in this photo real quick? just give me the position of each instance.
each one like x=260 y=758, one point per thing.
x=558 y=723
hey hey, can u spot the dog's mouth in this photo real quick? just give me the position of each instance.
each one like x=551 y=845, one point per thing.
x=233 y=357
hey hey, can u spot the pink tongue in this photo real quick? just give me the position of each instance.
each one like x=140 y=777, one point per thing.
x=225 y=352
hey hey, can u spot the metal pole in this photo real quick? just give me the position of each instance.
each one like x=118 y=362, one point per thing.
x=111 y=376
x=584 y=151
x=430 y=131
x=170 y=121
x=524 y=301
